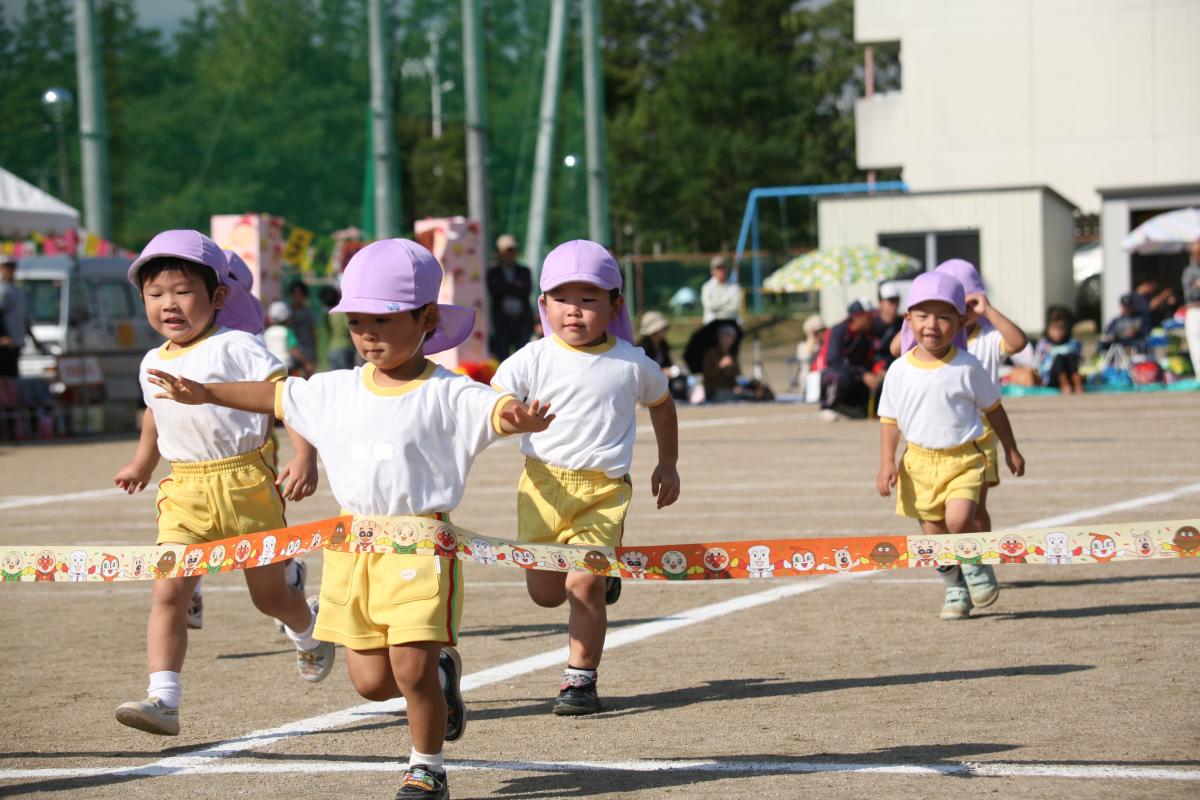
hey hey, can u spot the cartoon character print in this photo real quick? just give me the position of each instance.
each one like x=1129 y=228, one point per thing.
x=1143 y=545
x=12 y=566
x=559 y=560
x=758 y=562
x=192 y=560
x=968 y=551
x=216 y=559
x=923 y=553
x=635 y=562
x=884 y=555
x=1103 y=548
x=315 y=542
x=243 y=551
x=77 y=566
x=364 y=535
x=404 y=538
x=842 y=561
x=1058 y=548
x=716 y=563
x=1013 y=549
x=110 y=568
x=166 y=563
x=445 y=541
x=268 y=550
x=293 y=547
x=674 y=565
x=137 y=569
x=44 y=566
x=339 y=535
x=481 y=551
x=803 y=561
x=595 y=562
x=1187 y=542
x=525 y=559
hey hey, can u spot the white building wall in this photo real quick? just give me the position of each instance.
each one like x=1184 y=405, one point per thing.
x=1074 y=94
x=1025 y=242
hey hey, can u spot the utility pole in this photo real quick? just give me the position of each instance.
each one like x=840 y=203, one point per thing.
x=475 y=89
x=535 y=229
x=594 y=128
x=435 y=83
x=93 y=129
x=387 y=206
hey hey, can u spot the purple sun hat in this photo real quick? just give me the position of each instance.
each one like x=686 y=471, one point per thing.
x=582 y=261
x=965 y=273
x=241 y=311
x=937 y=286
x=188 y=245
x=392 y=275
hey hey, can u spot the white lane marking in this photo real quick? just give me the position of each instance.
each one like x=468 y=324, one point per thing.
x=49 y=499
x=1124 y=505
x=975 y=769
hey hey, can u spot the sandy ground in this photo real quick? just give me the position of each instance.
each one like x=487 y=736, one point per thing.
x=1079 y=682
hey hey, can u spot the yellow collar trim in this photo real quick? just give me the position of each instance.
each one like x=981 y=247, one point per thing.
x=166 y=354
x=936 y=364
x=609 y=343
x=372 y=386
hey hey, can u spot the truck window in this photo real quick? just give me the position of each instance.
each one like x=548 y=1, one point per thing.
x=81 y=301
x=43 y=299
x=114 y=299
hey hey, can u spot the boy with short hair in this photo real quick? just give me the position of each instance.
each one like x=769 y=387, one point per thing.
x=219 y=486
x=576 y=488
x=934 y=395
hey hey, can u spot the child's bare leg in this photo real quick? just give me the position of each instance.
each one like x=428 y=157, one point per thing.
x=415 y=667
x=960 y=515
x=1064 y=383
x=589 y=619
x=274 y=598
x=371 y=673
x=547 y=589
x=1077 y=382
x=983 y=520
x=166 y=631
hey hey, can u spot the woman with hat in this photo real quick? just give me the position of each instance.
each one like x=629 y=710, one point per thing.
x=653 y=333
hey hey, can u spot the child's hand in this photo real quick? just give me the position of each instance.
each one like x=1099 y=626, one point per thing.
x=298 y=478
x=180 y=389
x=132 y=477
x=664 y=484
x=1016 y=462
x=978 y=303
x=516 y=417
x=885 y=481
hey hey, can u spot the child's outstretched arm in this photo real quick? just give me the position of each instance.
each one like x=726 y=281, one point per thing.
x=998 y=418
x=516 y=417
x=889 y=441
x=664 y=481
x=254 y=396
x=134 y=476
x=1014 y=338
x=298 y=478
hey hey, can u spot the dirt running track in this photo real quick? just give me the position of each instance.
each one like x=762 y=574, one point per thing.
x=1080 y=682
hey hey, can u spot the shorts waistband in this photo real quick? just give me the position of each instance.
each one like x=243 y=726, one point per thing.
x=575 y=477
x=968 y=449
x=440 y=516
x=222 y=465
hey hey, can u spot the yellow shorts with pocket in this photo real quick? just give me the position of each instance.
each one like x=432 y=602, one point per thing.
x=929 y=479
x=202 y=501
x=567 y=506
x=373 y=600
x=989 y=443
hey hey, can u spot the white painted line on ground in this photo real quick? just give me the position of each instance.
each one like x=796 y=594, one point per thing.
x=49 y=499
x=975 y=769
x=1124 y=505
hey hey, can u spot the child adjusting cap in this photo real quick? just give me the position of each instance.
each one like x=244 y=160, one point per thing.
x=965 y=273
x=583 y=261
x=392 y=275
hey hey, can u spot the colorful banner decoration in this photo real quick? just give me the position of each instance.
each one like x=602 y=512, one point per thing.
x=753 y=559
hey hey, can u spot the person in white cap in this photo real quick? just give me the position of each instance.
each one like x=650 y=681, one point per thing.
x=509 y=286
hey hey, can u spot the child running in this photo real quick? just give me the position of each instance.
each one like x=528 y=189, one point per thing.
x=397 y=437
x=219 y=486
x=934 y=395
x=576 y=488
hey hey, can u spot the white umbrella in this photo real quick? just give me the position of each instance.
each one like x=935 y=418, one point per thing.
x=1171 y=232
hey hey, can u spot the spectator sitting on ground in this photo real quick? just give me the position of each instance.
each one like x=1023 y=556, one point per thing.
x=653 y=331
x=723 y=380
x=1128 y=329
x=281 y=341
x=1153 y=305
x=851 y=369
x=810 y=347
x=720 y=297
x=1059 y=354
x=887 y=323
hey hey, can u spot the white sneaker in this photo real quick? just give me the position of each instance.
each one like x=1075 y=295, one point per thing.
x=957 y=604
x=294 y=575
x=149 y=715
x=195 y=612
x=829 y=415
x=314 y=665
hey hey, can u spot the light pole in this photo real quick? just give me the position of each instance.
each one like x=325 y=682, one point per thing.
x=57 y=102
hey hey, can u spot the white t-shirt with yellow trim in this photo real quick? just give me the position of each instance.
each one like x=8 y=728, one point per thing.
x=208 y=432
x=594 y=391
x=987 y=345
x=937 y=403
x=393 y=450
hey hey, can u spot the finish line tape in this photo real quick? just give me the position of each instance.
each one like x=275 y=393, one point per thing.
x=760 y=558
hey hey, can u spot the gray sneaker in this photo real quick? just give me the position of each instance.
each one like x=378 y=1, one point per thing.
x=195 y=612
x=295 y=575
x=958 y=603
x=981 y=583
x=149 y=715
x=314 y=665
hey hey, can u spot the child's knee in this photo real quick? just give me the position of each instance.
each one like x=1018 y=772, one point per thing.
x=375 y=687
x=546 y=592
x=585 y=590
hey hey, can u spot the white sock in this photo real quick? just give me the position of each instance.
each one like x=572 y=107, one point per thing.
x=305 y=640
x=433 y=761
x=165 y=686
x=578 y=677
x=951 y=576
x=197 y=592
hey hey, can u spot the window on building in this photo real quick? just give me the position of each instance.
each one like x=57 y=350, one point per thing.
x=931 y=248
x=115 y=299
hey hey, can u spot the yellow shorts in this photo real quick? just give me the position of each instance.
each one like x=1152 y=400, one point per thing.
x=989 y=443
x=929 y=479
x=567 y=506
x=202 y=501
x=373 y=600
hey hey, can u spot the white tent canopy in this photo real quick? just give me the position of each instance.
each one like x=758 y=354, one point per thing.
x=26 y=209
